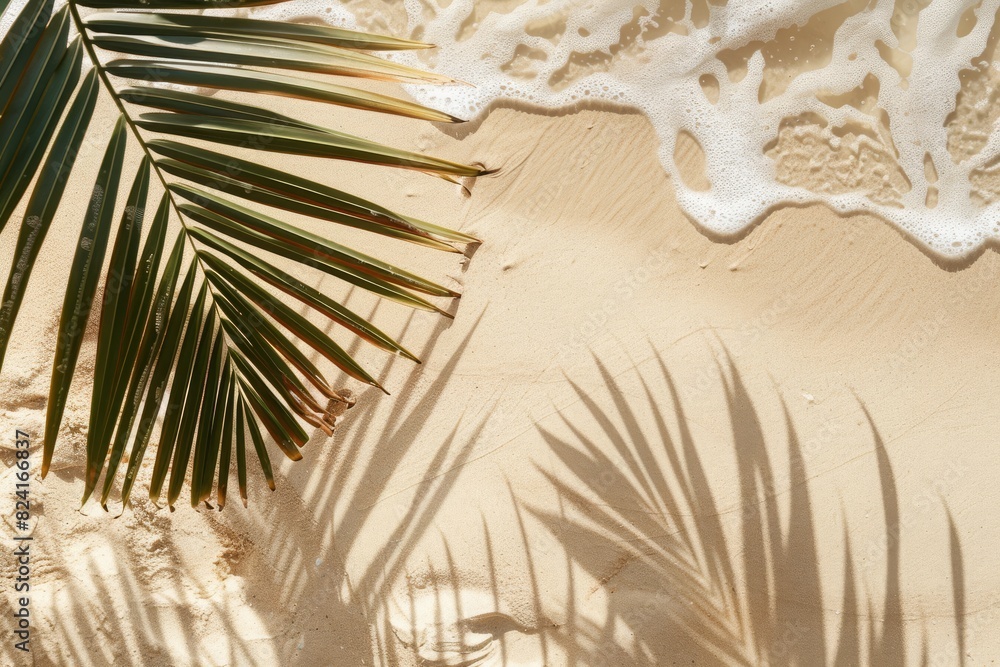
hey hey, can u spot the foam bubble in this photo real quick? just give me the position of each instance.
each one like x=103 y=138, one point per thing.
x=791 y=101
x=884 y=106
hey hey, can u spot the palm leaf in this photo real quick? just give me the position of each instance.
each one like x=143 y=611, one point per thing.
x=169 y=342
x=18 y=45
x=42 y=206
x=84 y=275
x=188 y=326
x=119 y=317
x=269 y=53
x=28 y=119
x=186 y=25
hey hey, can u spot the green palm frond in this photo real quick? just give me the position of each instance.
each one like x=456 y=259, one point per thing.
x=189 y=326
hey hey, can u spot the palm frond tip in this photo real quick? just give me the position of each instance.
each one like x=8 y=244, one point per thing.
x=189 y=326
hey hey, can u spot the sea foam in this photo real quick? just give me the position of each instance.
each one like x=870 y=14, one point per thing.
x=882 y=106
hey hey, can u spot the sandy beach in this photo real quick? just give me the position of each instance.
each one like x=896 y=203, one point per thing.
x=636 y=443
x=820 y=383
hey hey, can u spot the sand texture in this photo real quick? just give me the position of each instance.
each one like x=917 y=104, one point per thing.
x=635 y=444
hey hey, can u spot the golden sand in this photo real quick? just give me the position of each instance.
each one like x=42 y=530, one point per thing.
x=633 y=445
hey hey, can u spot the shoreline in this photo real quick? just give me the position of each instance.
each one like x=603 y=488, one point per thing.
x=467 y=128
x=411 y=487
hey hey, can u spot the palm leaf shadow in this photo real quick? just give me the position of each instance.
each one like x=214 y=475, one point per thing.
x=444 y=621
x=336 y=512
x=686 y=593
x=147 y=633
x=198 y=297
x=300 y=570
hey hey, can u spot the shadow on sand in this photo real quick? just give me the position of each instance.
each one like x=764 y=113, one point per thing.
x=688 y=592
x=692 y=578
x=296 y=603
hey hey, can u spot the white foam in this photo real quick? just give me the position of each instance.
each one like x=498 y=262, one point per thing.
x=652 y=54
x=518 y=50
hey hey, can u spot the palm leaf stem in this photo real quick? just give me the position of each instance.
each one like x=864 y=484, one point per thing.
x=132 y=125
